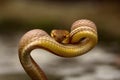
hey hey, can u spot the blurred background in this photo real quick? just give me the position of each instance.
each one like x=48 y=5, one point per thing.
x=19 y=16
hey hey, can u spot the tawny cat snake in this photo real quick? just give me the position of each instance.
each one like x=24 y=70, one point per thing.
x=81 y=39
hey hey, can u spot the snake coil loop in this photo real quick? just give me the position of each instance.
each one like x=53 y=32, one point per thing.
x=82 y=38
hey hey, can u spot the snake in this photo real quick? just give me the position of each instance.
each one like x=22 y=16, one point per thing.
x=81 y=39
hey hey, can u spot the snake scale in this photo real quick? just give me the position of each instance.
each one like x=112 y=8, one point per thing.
x=81 y=39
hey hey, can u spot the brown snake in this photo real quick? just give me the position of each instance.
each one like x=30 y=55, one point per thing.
x=82 y=38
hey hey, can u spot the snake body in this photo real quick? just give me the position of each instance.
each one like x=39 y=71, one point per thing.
x=82 y=38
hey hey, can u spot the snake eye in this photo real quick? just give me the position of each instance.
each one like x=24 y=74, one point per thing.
x=64 y=36
x=52 y=35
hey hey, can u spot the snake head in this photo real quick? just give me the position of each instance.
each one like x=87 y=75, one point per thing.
x=61 y=36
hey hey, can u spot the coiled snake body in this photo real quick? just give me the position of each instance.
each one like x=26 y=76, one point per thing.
x=81 y=39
